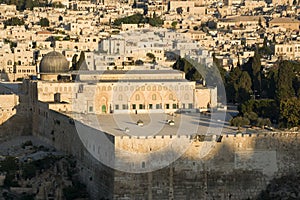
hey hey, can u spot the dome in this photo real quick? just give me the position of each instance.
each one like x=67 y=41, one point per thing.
x=54 y=62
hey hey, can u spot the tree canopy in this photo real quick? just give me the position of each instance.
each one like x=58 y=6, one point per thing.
x=44 y=22
x=139 y=19
x=14 y=21
x=30 y=4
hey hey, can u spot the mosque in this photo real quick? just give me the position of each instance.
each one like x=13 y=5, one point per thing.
x=118 y=91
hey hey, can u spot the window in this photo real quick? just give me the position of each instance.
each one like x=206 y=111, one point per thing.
x=174 y=105
x=167 y=106
x=190 y=105
x=120 y=97
x=150 y=106
x=124 y=106
x=137 y=97
x=117 y=107
x=141 y=106
x=91 y=109
x=133 y=106
x=154 y=97
x=186 y=97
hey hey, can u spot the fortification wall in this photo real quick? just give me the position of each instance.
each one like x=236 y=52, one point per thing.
x=60 y=131
x=238 y=167
x=235 y=167
x=15 y=116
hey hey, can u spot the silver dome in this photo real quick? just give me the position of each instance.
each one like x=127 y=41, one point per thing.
x=54 y=62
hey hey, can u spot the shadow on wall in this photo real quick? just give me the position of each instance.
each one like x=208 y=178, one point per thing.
x=285 y=187
x=15 y=114
x=238 y=167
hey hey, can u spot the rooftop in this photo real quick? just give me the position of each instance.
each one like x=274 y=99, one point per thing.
x=284 y=20
x=155 y=124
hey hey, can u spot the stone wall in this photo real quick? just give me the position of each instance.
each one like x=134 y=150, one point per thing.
x=60 y=131
x=15 y=116
x=235 y=167
x=238 y=167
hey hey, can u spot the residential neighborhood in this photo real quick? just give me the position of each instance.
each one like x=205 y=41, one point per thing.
x=229 y=30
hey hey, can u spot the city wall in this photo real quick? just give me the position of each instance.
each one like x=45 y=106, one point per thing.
x=232 y=167
x=237 y=167
x=15 y=116
x=60 y=131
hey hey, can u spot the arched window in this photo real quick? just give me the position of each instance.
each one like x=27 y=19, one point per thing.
x=153 y=96
x=120 y=97
x=186 y=97
x=9 y=62
x=137 y=97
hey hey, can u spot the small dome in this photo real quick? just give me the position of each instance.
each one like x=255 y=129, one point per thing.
x=54 y=62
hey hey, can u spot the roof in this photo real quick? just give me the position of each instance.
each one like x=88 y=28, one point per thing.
x=153 y=71
x=284 y=20
x=155 y=124
x=54 y=62
x=43 y=32
x=242 y=18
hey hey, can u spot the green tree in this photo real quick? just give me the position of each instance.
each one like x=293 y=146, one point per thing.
x=174 y=24
x=243 y=87
x=74 y=61
x=261 y=122
x=44 y=22
x=151 y=56
x=189 y=69
x=290 y=112
x=133 y=19
x=269 y=84
x=155 y=21
x=256 y=72
x=264 y=108
x=14 y=21
x=252 y=116
x=239 y=121
x=231 y=84
x=284 y=86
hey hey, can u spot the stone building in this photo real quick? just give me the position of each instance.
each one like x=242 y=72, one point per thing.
x=285 y=22
x=119 y=91
x=288 y=50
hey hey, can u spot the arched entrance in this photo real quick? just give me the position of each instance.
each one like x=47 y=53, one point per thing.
x=103 y=108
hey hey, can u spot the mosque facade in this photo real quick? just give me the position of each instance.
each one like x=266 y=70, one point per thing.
x=118 y=91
